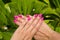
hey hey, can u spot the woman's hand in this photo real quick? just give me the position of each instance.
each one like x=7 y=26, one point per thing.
x=44 y=32
x=27 y=29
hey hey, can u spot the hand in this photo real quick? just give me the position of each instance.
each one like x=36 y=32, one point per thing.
x=44 y=32
x=27 y=29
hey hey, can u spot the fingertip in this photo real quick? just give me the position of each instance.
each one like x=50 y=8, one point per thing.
x=15 y=17
x=40 y=15
x=35 y=15
x=28 y=17
x=42 y=18
x=20 y=15
x=15 y=21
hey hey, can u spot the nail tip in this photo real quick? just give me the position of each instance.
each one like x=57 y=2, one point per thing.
x=35 y=15
x=15 y=17
x=14 y=21
x=27 y=15
x=42 y=18
x=40 y=15
x=20 y=16
x=28 y=18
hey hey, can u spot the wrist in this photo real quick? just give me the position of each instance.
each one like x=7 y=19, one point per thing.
x=55 y=36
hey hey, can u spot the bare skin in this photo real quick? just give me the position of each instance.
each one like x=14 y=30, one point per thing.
x=44 y=32
x=27 y=29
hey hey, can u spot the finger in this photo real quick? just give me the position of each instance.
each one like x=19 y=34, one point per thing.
x=19 y=18
x=18 y=31
x=22 y=16
x=37 y=27
x=29 y=22
x=27 y=26
x=17 y=22
x=21 y=27
x=33 y=24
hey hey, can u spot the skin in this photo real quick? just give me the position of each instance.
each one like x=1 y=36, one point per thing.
x=27 y=29
x=44 y=32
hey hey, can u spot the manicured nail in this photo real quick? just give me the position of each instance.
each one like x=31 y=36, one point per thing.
x=42 y=18
x=35 y=15
x=40 y=15
x=15 y=17
x=15 y=21
x=28 y=17
x=20 y=16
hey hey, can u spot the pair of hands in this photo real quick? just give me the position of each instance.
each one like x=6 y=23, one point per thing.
x=31 y=26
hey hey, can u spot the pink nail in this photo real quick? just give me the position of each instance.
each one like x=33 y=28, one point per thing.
x=35 y=15
x=40 y=15
x=20 y=16
x=29 y=18
x=15 y=17
x=15 y=21
x=42 y=18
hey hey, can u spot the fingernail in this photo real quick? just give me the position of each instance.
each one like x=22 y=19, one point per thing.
x=29 y=19
x=40 y=15
x=42 y=18
x=20 y=16
x=15 y=17
x=15 y=21
x=35 y=15
x=27 y=16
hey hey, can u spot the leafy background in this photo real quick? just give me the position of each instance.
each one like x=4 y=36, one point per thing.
x=8 y=8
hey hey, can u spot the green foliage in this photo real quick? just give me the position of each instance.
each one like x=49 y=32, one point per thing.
x=49 y=8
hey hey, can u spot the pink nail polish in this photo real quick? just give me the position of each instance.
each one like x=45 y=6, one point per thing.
x=20 y=16
x=42 y=18
x=40 y=15
x=35 y=15
x=15 y=21
x=29 y=18
x=15 y=17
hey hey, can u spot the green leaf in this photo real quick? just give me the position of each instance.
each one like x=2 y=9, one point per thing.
x=2 y=16
x=1 y=35
x=39 y=6
x=7 y=35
